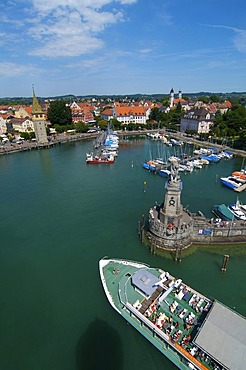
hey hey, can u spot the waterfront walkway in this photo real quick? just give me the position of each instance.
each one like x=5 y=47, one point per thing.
x=65 y=138
x=32 y=145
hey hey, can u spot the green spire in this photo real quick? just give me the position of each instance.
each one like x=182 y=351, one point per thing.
x=36 y=108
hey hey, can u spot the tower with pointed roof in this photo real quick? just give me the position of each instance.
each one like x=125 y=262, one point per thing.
x=39 y=120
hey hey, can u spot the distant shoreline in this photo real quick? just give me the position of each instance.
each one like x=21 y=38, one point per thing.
x=65 y=138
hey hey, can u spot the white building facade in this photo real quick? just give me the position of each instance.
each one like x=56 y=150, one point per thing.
x=199 y=120
x=131 y=114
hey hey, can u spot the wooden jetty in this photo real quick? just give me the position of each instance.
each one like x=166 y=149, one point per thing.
x=240 y=188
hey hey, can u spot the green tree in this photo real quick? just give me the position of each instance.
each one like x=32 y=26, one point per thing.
x=166 y=102
x=59 y=129
x=204 y=98
x=59 y=113
x=27 y=135
x=102 y=124
x=81 y=126
x=215 y=98
x=154 y=114
x=179 y=108
x=116 y=124
x=231 y=123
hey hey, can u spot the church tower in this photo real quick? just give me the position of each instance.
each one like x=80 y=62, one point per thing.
x=39 y=120
x=180 y=94
x=171 y=98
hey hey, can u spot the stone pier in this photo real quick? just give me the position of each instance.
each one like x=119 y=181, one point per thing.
x=173 y=228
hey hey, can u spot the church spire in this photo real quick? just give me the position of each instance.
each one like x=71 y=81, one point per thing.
x=36 y=108
x=39 y=121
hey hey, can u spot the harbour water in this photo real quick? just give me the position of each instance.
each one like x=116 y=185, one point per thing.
x=59 y=216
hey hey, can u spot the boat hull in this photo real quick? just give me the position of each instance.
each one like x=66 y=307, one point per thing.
x=229 y=184
x=99 y=161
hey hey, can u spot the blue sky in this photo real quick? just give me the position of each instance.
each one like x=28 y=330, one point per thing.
x=88 y=47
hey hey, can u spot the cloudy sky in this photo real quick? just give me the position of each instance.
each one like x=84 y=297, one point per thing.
x=85 y=47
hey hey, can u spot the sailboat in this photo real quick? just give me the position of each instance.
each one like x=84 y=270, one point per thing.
x=237 y=211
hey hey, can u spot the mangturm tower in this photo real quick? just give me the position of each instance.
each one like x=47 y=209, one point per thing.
x=170 y=226
x=38 y=118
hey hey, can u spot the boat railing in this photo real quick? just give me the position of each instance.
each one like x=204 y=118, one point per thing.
x=122 y=290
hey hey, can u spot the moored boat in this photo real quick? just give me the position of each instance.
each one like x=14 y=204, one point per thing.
x=204 y=161
x=210 y=158
x=240 y=174
x=183 y=324
x=243 y=207
x=163 y=172
x=237 y=212
x=226 y=154
x=150 y=165
x=197 y=163
x=232 y=182
x=222 y=211
x=95 y=159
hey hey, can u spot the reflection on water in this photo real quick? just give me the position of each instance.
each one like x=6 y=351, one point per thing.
x=99 y=347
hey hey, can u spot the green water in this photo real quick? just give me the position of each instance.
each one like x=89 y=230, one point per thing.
x=59 y=216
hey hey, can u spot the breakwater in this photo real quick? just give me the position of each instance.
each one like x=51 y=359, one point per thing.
x=204 y=231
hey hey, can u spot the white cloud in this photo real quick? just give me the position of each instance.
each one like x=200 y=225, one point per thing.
x=127 y=2
x=239 y=39
x=9 y=69
x=93 y=64
x=145 y=51
x=71 y=27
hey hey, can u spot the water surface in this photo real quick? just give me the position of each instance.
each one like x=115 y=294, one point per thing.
x=59 y=216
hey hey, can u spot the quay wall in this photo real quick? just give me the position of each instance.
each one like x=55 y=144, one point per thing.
x=28 y=146
x=201 y=232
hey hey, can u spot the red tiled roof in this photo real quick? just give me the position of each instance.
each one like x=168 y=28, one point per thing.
x=176 y=101
x=28 y=109
x=107 y=112
x=228 y=104
x=130 y=111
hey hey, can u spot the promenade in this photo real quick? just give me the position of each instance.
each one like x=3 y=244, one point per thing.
x=9 y=148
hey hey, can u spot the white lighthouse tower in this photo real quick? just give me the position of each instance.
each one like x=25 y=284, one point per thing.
x=171 y=98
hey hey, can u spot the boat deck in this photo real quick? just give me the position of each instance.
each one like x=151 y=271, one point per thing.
x=174 y=309
x=178 y=315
